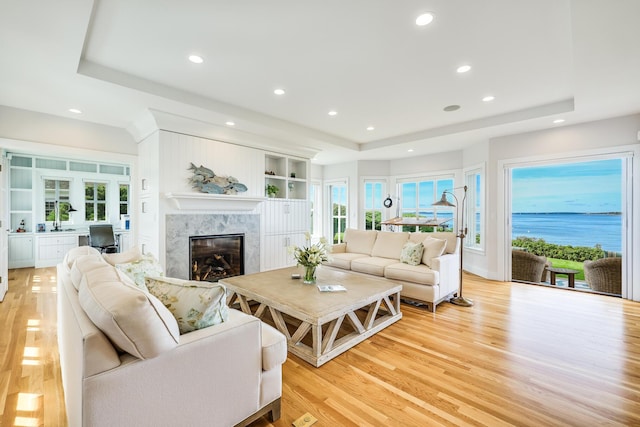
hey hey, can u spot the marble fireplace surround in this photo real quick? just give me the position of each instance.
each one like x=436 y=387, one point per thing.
x=179 y=227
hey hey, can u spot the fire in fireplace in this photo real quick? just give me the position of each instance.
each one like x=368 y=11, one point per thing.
x=215 y=257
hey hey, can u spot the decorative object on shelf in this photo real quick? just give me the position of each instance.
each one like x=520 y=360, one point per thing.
x=270 y=173
x=291 y=186
x=271 y=190
x=293 y=174
x=310 y=257
x=41 y=228
x=207 y=181
x=462 y=233
x=21 y=229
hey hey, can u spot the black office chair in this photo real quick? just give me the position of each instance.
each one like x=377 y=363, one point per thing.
x=102 y=238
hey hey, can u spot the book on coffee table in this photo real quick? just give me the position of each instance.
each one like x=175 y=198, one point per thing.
x=331 y=288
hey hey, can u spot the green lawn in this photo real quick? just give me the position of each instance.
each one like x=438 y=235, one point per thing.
x=574 y=265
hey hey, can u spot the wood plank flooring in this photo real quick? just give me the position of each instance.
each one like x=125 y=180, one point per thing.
x=521 y=356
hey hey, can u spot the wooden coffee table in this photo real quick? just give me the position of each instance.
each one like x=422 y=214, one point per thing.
x=314 y=321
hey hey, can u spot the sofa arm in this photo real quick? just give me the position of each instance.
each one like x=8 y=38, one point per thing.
x=339 y=248
x=448 y=267
x=213 y=377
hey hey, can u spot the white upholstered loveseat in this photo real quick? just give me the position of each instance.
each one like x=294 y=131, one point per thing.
x=226 y=374
x=433 y=280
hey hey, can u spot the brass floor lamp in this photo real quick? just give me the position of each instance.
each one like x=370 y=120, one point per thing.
x=459 y=300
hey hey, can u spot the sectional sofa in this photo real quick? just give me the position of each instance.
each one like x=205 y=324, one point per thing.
x=430 y=279
x=126 y=361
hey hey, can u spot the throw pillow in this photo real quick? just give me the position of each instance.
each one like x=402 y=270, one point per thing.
x=412 y=253
x=134 y=320
x=433 y=248
x=129 y=255
x=137 y=270
x=194 y=304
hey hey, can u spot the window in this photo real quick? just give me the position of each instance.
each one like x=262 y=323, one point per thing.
x=474 y=209
x=338 y=194
x=124 y=199
x=418 y=198
x=373 y=191
x=315 y=197
x=56 y=192
x=95 y=201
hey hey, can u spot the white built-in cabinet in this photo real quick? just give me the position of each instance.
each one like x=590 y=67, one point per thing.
x=284 y=223
x=21 y=251
x=50 y=250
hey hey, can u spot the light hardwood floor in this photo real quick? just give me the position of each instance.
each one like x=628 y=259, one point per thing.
x=523 y=355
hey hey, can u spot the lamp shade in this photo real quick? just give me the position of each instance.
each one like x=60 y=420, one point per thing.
x=443 y=201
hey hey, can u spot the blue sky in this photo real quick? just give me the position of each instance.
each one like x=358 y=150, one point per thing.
x=573 y=187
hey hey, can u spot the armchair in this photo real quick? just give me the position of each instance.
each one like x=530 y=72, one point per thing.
x=604 y=275
x=527 y=267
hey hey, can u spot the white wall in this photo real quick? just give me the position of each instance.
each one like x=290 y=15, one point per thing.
x=56 y=132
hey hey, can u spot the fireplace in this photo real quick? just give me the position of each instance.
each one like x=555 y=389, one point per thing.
x=216 y=257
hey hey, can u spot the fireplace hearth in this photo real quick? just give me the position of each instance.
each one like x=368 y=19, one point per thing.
x=216 y=257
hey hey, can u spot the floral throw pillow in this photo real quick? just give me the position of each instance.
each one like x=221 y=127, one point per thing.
x=411 y=253
x=137 y=270
x=195 y=305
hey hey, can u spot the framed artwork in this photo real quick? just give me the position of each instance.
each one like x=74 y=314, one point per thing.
x=41 y=228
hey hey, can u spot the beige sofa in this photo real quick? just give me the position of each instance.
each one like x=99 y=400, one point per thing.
x=434 y=280
x=226 y=374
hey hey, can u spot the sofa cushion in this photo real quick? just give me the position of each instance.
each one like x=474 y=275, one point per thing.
x=412 y=253
x=127 y=256
x=452 y=240
x=146 y=266
x=73 y=254
x=420 y=274
x=343 y=260
x=371 y=265
x=360 y=241
x=83 y=264
x=389 y=244
x=194 y=304
x=135 y=321
x=274 y=347
x=433 y=248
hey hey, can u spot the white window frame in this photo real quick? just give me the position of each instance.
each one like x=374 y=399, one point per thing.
x=475 y=204
x=95 y=201
x=384 y=184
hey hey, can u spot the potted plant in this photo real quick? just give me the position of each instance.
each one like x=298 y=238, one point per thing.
x=271 y=190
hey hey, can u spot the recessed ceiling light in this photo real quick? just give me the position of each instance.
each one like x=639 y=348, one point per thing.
x=370 y=128
x=424 y=19
x=451 y=107
x=333 y=113
x=463 y=68
x=196 y=59
x=279 y=91
x=556 y=121
x=230 y=123
x=410 y=150
x=488 y=98
x=75 y=111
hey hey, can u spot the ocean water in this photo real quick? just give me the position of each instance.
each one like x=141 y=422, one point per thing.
x=575 y=229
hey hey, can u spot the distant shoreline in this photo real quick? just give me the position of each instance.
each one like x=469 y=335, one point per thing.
x=567 y=213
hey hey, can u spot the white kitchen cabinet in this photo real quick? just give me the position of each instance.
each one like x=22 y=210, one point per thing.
x=21 y=251
x=50 y=250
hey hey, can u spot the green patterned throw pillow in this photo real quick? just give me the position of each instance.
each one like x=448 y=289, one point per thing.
x=146 y=266
x=195 y=305
x=411 y=253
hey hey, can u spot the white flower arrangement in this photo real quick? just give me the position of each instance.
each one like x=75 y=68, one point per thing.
x=311 y=255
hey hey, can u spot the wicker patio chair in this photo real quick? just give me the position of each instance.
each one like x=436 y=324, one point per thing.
x=527 y=267
x=604 y=275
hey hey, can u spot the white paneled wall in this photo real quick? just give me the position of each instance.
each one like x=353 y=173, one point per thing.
x=178 y=151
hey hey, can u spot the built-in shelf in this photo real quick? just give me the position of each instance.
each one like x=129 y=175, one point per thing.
x=215 y=202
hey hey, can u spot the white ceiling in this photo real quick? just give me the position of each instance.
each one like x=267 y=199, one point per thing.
x=117 y=59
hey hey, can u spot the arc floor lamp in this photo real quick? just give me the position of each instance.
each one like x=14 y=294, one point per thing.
x=462 y=233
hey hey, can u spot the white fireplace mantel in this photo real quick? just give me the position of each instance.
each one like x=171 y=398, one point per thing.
x=213 y=202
